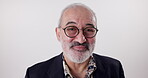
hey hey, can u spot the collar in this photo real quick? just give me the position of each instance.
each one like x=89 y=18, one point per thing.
x=91 y=68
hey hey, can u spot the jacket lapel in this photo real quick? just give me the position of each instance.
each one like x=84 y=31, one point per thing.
x=56 y=69
x=100 y=71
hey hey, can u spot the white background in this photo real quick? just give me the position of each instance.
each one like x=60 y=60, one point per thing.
x=27 y=33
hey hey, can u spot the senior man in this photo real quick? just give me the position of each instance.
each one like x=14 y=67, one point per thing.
x=76 y=33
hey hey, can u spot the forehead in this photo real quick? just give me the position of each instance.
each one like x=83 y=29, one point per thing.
x=78 y=15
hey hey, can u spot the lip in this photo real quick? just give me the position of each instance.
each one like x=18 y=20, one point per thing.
x=80 y=47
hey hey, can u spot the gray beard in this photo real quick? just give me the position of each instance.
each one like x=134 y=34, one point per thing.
x=80 y=58
x=77 y=56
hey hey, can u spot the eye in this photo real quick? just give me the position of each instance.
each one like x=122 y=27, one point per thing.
x=71 y=29
x=90 y=30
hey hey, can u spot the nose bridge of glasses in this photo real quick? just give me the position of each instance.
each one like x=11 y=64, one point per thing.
x=81 y=31
x=80 y=37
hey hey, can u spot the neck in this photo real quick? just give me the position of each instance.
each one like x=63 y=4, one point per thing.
x=77 y=69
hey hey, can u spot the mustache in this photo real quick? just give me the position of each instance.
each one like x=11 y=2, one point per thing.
x=80 y=44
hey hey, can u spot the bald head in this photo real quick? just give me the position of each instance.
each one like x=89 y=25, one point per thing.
x=77 y=10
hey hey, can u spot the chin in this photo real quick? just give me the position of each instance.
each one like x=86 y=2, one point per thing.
x=78 y=56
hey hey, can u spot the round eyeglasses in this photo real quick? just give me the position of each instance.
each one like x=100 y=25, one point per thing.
x=73 y=31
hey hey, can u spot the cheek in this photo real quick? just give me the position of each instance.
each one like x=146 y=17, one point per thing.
x=91 y=40
x=65 y=41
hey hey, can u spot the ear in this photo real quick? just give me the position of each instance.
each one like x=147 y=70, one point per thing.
x=57 y=30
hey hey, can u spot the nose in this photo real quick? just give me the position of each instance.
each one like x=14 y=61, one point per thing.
x=80 y=37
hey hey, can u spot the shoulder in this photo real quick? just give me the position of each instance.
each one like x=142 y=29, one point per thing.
x=106 y=61
x=44 y=66
x=110 y=65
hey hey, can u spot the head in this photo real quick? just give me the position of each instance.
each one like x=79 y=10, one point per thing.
x=76 y=24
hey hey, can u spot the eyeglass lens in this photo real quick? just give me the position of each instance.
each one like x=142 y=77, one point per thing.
x=73 y=31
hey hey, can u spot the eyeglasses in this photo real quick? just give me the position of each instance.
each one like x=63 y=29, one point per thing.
x=73 y=31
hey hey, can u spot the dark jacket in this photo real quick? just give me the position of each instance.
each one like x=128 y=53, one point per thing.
x=106 y=68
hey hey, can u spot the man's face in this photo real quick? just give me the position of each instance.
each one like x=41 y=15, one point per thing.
x=79 y=48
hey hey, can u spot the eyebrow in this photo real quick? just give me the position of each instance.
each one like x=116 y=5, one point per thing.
x=71 y=22
x=90 y=25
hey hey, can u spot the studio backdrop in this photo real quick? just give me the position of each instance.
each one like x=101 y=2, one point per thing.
x=27 y=33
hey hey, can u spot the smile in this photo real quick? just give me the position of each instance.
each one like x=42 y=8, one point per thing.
x=80 y=48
